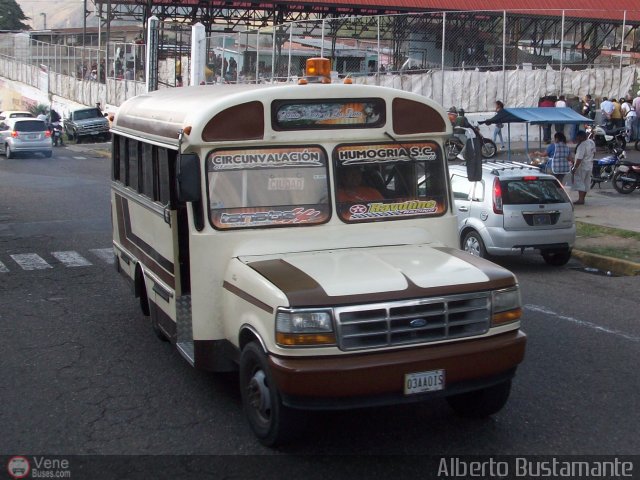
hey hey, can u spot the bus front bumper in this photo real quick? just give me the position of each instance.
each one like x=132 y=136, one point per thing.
x=372 y=379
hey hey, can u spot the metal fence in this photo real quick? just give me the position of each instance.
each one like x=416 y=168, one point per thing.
x=469 y=59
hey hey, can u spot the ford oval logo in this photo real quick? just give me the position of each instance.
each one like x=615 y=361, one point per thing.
x=417 y=323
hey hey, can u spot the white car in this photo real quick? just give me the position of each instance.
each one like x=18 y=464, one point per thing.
x=25 y=135
x=513 y=210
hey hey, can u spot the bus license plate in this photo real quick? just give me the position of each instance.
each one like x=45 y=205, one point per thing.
x=542 y=219
x=420 y=382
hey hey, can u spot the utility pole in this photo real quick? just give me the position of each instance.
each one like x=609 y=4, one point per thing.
x=44 y=16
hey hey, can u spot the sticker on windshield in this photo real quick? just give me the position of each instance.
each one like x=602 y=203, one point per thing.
x=260 y=217
x=220 y=160
x=358 y=154
x=368 y=211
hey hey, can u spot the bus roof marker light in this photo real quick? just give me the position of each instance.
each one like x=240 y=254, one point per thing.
x=318 y=70
x=187 y=130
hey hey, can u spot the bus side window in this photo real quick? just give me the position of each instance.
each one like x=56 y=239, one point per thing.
x=146 y=167
x=119 y=159
x=163 y=177
x=133 y=170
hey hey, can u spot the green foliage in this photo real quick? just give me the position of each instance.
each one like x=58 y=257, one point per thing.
x=12 y=16
x=38 y=109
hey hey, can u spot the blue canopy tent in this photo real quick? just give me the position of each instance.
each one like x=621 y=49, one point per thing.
x=536 y=116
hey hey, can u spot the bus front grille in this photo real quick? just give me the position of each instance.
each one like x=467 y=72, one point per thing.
x=413 y=322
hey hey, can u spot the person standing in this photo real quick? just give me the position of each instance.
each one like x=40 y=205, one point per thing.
x=616 y=115
x=497 y=128
x=561 y=161
x=576 y=106
x=585 y=152
x=546 y=127
x=627 y=110
x=560 y=103
x=636 y=122
x=589 y=107
x=606 y=106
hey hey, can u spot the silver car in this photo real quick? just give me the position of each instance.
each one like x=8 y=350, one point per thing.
x=25 y=135
x=513 y=210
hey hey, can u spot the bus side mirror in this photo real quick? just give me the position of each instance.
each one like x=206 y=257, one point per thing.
x=473 y=159
x=188 y=178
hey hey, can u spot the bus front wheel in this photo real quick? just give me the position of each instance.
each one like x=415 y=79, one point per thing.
x=271 y=421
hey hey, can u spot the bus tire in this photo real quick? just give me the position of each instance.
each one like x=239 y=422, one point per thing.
x=271 y=421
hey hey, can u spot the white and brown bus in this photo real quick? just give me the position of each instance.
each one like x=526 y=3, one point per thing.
x=305 y=236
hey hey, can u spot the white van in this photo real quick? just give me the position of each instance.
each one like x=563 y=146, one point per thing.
x=282 y=232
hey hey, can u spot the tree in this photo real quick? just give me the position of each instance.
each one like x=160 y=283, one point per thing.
x=12 y=16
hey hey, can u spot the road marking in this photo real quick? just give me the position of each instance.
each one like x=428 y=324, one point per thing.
x=3 y=268
x=80 y=158
x=105 y=254
x=71 y=259
x=582 y=323
x=30 y=261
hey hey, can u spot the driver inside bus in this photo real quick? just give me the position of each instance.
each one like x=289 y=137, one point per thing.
x=352 y=188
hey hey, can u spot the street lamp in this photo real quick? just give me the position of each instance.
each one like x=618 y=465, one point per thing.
x=44 y=16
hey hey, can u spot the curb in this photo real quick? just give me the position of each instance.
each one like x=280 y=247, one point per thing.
x=609 y=264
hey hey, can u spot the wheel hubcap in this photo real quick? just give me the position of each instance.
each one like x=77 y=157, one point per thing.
x=258 y=393
x=472 y=246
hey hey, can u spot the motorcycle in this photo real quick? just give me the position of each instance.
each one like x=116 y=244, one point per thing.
x=626 y=178
x=604 y=168
x=453 y=145
x=609 y=138
x=56 y=133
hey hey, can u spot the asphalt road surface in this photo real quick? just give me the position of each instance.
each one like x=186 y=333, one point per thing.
x=83 y=373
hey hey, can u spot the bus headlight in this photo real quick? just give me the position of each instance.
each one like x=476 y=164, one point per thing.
x=297 y=328
x=507 y=306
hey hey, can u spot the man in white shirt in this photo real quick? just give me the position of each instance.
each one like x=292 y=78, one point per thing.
x=607 y=109
x=560 y=103
x=585 y=152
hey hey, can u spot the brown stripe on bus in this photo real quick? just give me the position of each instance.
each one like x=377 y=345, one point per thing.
x=245 y=296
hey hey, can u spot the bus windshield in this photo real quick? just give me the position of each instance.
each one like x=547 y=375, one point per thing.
x=378 y=182
x=267 y=187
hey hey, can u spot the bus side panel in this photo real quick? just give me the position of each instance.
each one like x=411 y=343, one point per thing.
x=125 y=262
x=146 y=240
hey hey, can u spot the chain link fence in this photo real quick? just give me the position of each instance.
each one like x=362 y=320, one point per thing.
x=468 y=59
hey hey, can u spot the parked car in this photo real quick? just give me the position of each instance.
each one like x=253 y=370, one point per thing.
x=86 y=123
x=15 y=114
x=25 y=135
x=513 y=210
